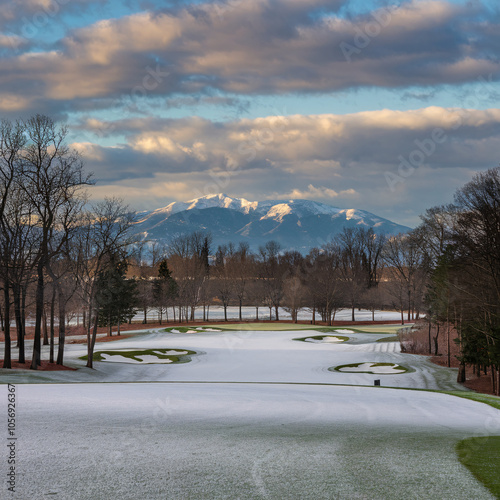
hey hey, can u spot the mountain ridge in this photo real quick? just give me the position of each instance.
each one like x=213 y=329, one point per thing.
x=296 y=224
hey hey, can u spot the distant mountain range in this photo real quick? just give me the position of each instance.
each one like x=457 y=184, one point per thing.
x=295 y=224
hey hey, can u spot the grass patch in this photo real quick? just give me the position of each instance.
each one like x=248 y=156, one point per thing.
x=183 y=355
x=389 y=339
x=389 y=329
x=271 y=327
x=371 y=369
x=320 y=338
x=280 y=327
x=481 y=455
x=488 y=399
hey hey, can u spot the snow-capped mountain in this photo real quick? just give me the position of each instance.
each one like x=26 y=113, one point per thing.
x=295 y=224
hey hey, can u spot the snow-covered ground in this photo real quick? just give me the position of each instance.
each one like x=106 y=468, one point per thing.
x=253 y=415
x=248 y=313
x=253 y=356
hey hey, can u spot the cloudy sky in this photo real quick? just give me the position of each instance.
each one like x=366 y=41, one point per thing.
x=387 y=106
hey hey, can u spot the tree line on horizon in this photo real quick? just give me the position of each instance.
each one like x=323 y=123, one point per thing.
x=61 y=257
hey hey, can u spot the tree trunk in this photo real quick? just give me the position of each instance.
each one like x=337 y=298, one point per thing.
x=461 y=377
x=45 y=330
x=52 y=314
x=36 y=359
x=276 y=308
x=118 y=327
x=241 y=317
x=19 y=323
x=436 y=347
x=62 y=327
x=7 y=360
x=448 y=345
x=430 y=343
x=352 y=311
x=225 y=312
x=256 y=313
x=92 y=340
x=24 y=292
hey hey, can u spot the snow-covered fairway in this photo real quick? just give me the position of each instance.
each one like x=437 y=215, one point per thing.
x=246 y=418
x=181 y=441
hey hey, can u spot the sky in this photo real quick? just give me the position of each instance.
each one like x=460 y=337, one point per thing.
x=385 y=106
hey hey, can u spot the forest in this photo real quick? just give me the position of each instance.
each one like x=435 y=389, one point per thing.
x=65 y=259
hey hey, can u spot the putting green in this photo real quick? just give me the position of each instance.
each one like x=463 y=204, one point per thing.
x=279 y=327
x=374 y=368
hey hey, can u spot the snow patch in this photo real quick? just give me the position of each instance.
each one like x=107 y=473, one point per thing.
x=277 y=212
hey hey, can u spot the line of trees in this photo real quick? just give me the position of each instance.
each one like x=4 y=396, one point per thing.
x=54 y=249
x=463 y=243
x=351 y=272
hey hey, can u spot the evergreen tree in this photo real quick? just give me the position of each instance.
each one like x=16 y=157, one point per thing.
x=116 y=296
x=165 y=288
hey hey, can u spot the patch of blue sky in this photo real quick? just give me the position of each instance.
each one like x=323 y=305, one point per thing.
x=471 y=96
x=355 y=7
x=477 y=95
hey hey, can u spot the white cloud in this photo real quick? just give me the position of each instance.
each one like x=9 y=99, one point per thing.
x=315 y=193
x=259 y=47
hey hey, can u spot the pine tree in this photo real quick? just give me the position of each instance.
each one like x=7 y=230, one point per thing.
x=116 y=296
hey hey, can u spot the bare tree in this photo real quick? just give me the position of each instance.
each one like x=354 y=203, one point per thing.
x=271 y=275
x=408 y=264
x=324 y=281
x=12 y=142
x=352 y=267
x=102 y=236
x=53 y=177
